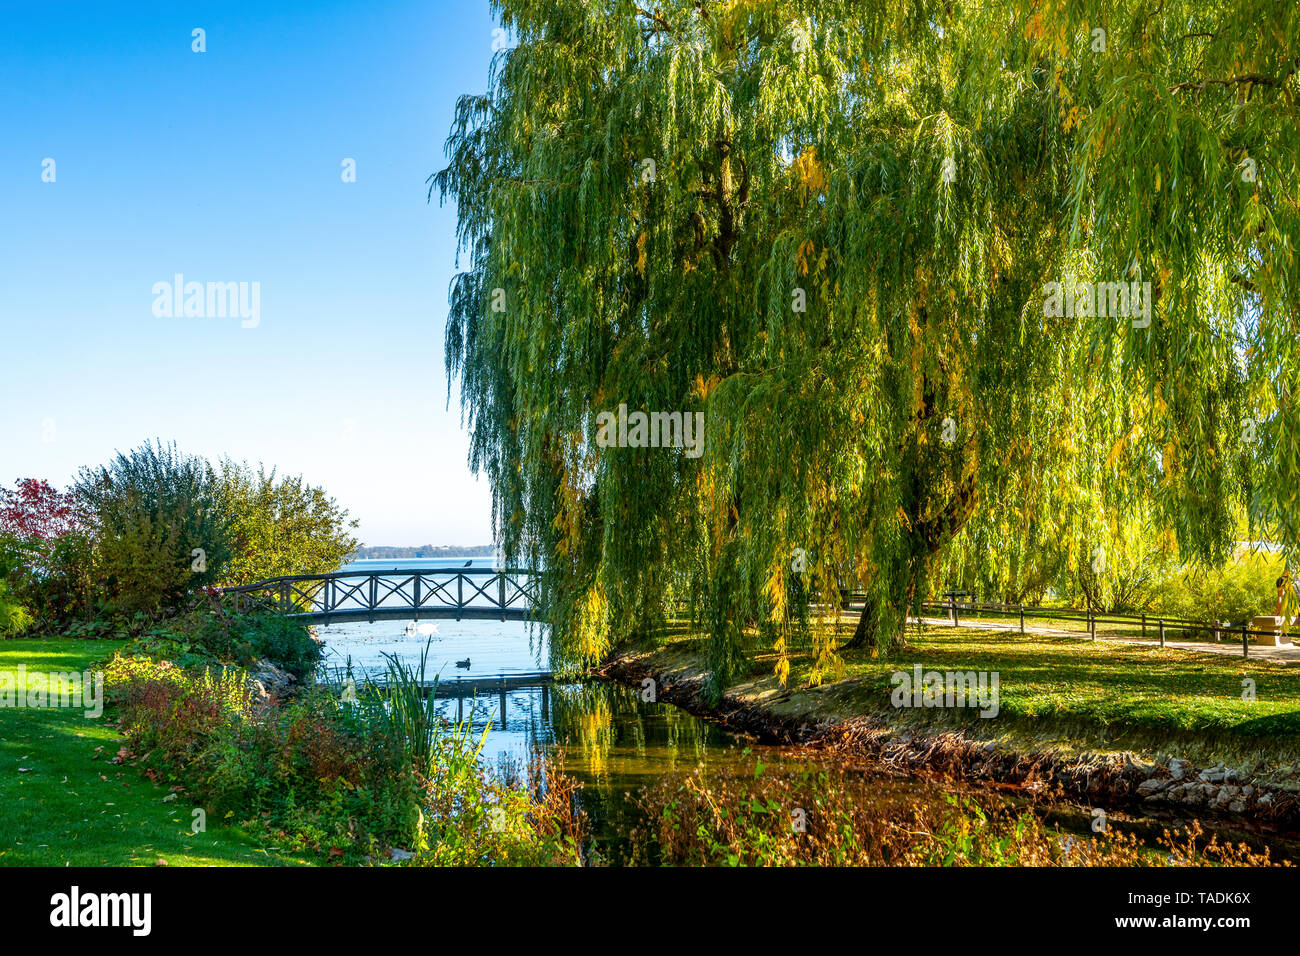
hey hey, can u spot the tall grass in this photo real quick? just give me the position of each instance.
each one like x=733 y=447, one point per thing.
x=403 y=706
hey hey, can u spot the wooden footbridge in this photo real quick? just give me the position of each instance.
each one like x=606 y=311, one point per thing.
x=419 y=594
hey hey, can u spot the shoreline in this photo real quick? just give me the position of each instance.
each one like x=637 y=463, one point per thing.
x=1120 y=780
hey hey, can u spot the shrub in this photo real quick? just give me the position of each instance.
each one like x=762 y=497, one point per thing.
x=213 y=632
x=159 y=531
x=279 y=527
x=45 y=554
x=170 y=713
x=1235 y=592
x=287 y=644
x=14 y=618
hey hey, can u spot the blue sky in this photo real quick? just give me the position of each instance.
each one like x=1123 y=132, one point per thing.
x=225 y=166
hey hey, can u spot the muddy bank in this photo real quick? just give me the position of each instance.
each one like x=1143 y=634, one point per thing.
x=1122 y=780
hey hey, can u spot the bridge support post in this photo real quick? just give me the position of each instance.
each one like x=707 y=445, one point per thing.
x=503 y=704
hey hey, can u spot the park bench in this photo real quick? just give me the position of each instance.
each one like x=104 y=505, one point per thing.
x=1268 y=629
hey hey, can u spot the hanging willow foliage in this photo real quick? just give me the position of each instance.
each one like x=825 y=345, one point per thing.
x=829 y=227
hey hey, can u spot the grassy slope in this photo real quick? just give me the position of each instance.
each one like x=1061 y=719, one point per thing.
x=74 y=806
x=1058 y=691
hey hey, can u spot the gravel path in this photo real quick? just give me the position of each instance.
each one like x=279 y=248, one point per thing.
x=1287 y=653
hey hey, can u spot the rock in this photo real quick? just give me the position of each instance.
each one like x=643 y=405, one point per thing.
x=1247 y=790
x=1222 y=797
x=1265 y=800
x=1237 y=806
x=400 y=856
x=1153 y=785
x=1177 y=768
x=268 y=680
x=1211 y=776
x=1132 y=762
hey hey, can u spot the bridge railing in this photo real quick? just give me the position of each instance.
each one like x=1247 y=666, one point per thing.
x=358 y=595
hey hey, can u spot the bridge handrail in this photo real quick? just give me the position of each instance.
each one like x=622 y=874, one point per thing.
x=373 y=593
x=334 y=575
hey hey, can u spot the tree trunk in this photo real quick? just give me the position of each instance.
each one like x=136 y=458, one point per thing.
x=864 y=635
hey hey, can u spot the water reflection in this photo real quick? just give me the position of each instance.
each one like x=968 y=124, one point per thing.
x=605 y=733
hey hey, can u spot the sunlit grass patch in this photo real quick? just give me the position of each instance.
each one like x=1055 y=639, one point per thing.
x=1056 y=688
x=63 y=801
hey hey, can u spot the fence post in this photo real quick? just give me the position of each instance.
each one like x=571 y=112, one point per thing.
x=501 y=600
x=1022 y=619
x=460 y=592
x=1245 y=641
x=1162 y=632
x=1144 y=627
x=956 y=615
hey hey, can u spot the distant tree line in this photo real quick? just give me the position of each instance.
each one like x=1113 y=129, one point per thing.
x=384 y=552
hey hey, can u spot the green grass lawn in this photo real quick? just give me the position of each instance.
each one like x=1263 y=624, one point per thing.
x=1065 y=690
x=63 y=801
x=1106 y=683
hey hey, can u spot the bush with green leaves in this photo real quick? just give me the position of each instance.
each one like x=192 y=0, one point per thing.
x=213 y=632
x=64 y=587
x=14 y=618
x=160 y=532
x=1236 y=592
x=280 y=526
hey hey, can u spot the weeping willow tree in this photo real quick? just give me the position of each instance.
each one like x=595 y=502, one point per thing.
x=830 y=228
